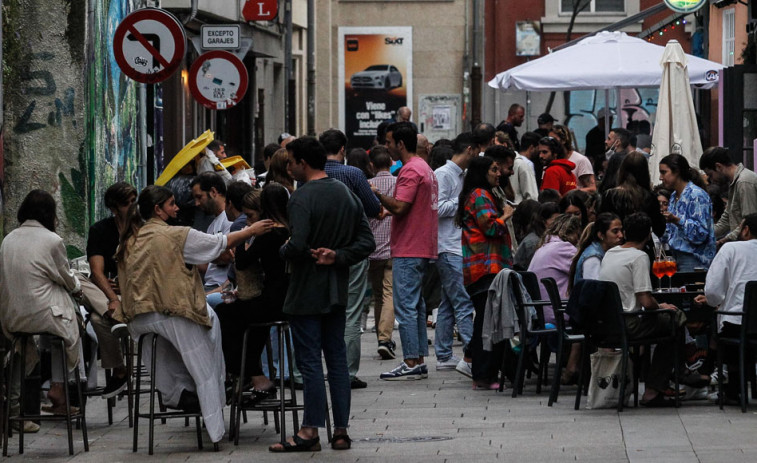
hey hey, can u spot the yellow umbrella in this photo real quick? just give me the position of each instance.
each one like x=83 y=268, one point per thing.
x=192 y=149
x=237 y=162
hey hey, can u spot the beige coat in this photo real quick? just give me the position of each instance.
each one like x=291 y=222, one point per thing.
x=35 y=287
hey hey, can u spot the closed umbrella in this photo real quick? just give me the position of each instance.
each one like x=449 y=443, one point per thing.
x=676 y=129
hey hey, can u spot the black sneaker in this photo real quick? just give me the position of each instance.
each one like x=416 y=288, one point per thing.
x=386 y=350
x=114 y=386
x=358 y=383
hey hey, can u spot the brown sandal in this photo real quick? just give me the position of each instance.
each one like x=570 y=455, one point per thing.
x=341 y=442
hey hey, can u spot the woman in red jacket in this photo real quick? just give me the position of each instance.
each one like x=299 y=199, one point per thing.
x=558 y=173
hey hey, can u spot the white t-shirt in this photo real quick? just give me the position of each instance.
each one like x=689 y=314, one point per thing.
x=216 y=275
x=629 y=269
x=729 y=272
x=583 y=165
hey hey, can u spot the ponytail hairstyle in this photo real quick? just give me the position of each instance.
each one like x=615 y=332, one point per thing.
x=139 y=213
x=564 y=227
x=589 y=236
x=678 y=165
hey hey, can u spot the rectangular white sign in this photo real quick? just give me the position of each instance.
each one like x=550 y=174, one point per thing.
x=220 y=37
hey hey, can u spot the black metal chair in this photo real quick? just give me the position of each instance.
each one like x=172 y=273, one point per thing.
x=603 y=322
x=152 y=415
x=565 y=337
x=528 y=329
x=127 y=349
x=69 y=417
x=279 y=406
x=747 y=338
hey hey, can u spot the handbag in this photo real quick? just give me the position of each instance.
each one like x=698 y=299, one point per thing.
x=604 y=387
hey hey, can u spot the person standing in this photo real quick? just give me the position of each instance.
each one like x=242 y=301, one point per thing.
x=690 y=231
x=209 y=193
x=413 y=244
x=558 y=171
x=523 y=180
x=742 y=190
x=455 y=305
x=486 y=250
x=329 y=233
x=515 y=116
x=380 y=266
x=335 y=142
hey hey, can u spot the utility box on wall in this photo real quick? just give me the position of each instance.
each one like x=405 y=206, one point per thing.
x=439 y=116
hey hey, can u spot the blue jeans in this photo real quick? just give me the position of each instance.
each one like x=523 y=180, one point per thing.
x=455 y=306
x=311 y=334
x=409 y=308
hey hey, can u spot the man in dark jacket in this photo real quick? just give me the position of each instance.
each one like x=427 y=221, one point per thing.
x=329 y=233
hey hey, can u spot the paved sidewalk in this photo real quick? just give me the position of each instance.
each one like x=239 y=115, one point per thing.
x=440 y=419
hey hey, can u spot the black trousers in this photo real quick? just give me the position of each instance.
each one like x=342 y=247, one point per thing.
x=234 y=319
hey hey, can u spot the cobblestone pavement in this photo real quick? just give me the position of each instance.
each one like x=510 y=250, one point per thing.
x=440 y=419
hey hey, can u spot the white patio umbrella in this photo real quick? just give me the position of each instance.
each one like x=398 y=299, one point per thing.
x=676 y=129
x=608 y=60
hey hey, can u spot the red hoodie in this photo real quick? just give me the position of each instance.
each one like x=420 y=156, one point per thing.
x=559 y=176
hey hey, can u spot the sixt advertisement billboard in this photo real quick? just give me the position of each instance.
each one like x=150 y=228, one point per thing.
x=375 y=79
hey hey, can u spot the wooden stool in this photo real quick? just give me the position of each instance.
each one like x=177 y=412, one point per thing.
x=69 y=417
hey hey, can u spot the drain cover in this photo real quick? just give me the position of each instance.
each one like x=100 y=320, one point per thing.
x=402 y=440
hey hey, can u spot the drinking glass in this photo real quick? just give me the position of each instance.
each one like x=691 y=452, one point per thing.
x=659 y=271
x=670 y=269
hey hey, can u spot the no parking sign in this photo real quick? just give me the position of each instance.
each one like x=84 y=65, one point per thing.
x=218 y=79
x=149 y=45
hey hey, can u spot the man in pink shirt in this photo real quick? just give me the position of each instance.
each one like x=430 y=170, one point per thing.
x=413 y=243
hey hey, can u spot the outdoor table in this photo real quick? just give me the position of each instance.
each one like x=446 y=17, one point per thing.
x=684 y=300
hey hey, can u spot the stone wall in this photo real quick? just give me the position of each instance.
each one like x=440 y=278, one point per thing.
x=44 y=129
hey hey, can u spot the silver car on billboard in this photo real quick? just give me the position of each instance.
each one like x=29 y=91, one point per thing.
x=378 y=76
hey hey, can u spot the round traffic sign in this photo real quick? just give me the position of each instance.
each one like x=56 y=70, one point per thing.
x=149 y=45
x=218 y=79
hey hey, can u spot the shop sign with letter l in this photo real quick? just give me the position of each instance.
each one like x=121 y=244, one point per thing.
x=260 y=10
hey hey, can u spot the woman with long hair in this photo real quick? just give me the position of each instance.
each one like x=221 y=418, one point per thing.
x=358 y=157
x=486 y=251
x=162 y=293
x=574 y=203
x=278 y=170
x=35 y=294
x=604 y=233
x=541 y=219
x=263 y=283
x=690 y=229
x=633 y=192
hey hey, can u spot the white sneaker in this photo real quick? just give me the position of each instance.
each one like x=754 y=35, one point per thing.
x=449 y=364
x=465 y=368
x=695 y=393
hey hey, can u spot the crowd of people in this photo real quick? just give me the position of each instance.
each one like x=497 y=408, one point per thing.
x=198 y=261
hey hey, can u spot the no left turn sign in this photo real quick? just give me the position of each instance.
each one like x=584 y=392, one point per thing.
x=149 y=45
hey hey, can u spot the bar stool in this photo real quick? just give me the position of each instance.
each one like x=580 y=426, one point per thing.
x=153 y=415
x=279 y=406
x=69 y=417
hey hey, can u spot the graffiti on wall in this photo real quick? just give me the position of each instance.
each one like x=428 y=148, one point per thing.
x=582 y=106
x=111 y=109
